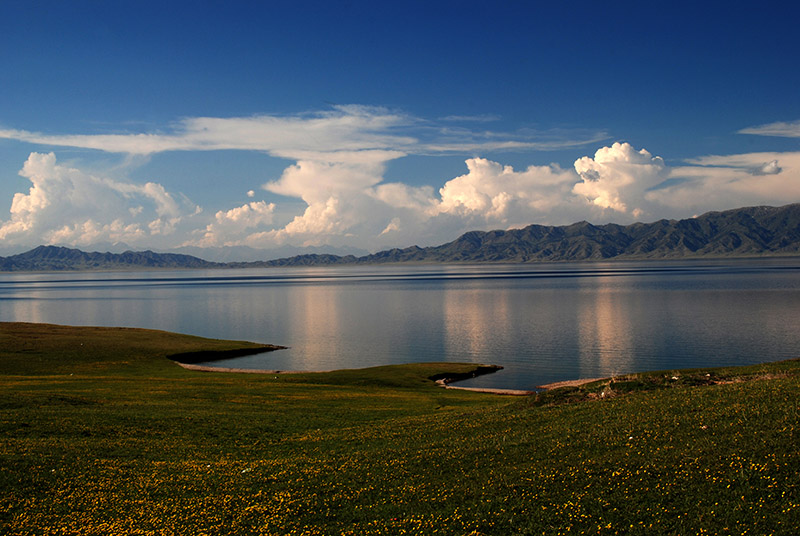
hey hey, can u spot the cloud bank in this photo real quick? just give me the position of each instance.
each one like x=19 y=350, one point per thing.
x=65 y=205
x=338 y=173
x=720 y=182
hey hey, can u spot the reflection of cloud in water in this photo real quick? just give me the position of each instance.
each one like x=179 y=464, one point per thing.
x=97 y=306
x=314 y=325
x=27 y=310
x=474 y=321
x=605 y=336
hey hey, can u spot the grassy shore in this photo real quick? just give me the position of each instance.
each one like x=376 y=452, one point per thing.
x=100 y=433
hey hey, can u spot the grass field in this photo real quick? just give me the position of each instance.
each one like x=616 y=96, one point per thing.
x=100 y=433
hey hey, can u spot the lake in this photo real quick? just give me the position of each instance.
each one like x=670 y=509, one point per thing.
x=542 y=322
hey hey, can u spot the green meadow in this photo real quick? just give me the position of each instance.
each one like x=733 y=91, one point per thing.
x=101 y=433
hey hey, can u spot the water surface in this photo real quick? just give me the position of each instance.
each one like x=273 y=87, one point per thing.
x=543 y=322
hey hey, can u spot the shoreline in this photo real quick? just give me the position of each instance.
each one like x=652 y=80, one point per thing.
x=443 y=382
x=206 y=368
x=191 y=358
x=490 y=390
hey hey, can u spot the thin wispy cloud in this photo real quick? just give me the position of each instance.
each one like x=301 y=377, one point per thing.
x=461 y=140
x=346 y=128
x=780 y=129
x=343 y=133
x=508 y=145
x=480 y=118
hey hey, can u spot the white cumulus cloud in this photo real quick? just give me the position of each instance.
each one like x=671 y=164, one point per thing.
x=618 y=177
x=349 y=200
x=495 y=193
x=67 y=205
x=337 y=195
x=249 y=215
x=231 y=227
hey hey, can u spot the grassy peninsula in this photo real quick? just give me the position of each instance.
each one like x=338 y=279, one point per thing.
x=101 y=433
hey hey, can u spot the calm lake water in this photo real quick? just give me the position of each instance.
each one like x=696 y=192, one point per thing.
x=543 y=323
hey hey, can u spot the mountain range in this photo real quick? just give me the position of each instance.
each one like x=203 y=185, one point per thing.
x=743 y=232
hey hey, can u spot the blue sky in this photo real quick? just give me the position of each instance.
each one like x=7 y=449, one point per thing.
x=168 y=124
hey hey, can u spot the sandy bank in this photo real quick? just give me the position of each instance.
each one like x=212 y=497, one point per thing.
x=569 y=383
x=445 y=381
x=522 y=392
x=511 y=392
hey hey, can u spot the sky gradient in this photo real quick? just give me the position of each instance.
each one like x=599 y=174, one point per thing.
x=159 y=125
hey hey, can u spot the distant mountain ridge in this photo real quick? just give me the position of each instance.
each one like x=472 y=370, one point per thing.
x=743 y=232
x=57 y=258
x=248 y=254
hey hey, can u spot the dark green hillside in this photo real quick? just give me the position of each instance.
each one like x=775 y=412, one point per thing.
x=54 y=258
